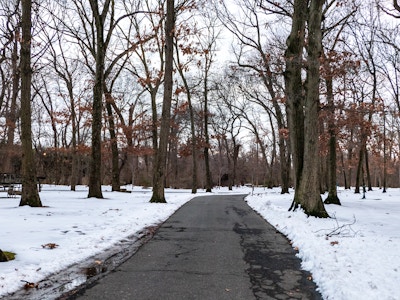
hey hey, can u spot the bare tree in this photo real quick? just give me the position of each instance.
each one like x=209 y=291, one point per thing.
x=208 y=44
x=254 y=39
x=181 y=67
x=161 y=156
x=100 y=26
x=30 y=195
x=334 y=64
x=9 y=79
x=303 y=110
x=239 y=94
x=67 y=70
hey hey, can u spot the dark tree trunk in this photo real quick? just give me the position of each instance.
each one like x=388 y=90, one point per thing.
x=294 y=86
x=350 y=158
x=346 y=185
x=74 y=154
x=97 y=106
x=359 y=179
x=283 y=142
x=30 y=194
x=194 y=148
x=369 y=182
x=161 y=157
x=192 y=124
x=207 y=157
x=115 y=184
x=172 y=155
x=154 y=128
x=207 y=138
x=332 y=190
x=236 y=149
x=307 y=193
x=230 y=170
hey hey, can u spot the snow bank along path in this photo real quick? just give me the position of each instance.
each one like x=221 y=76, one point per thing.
x=355 y=254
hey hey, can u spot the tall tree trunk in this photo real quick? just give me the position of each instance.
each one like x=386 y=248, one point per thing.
x=346 y=185
x=192 y=123
x=228 y=160
x=194 y=148
x=307 y=193
x=30 y=194
x=235 y=160
x=359 y=175
x=154 y=116
x=369 y=181
x=12 y=114
x=384 y=154
x=172 y=156
x=115 y=184
x=161 y=157
x=332 y=190
x=97 y=106
x=294 y=86
x=282 y=141
x=207 y=138
x=207 y=156
x=74 y=154
x=349 y=159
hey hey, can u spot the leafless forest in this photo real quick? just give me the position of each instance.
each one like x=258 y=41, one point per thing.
x=241 y=71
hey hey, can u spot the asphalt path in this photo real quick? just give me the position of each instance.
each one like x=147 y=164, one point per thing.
x=213 y=247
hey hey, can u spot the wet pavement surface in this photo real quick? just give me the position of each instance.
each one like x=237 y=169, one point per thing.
x=63 y=284
x=213 y=247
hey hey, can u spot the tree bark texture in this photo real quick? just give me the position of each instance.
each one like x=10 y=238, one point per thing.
x=308 y=192
x=305 y=140
x=74 y=164
x=97 y=105
x=115 y=184
x=159 y=171
x=360 y=172
x=294 y=86
x=332 y=190
x=30 y=194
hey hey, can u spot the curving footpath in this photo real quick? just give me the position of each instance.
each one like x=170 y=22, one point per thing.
x=213 y=247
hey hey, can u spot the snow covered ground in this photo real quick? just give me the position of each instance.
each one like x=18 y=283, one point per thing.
x=354 y=255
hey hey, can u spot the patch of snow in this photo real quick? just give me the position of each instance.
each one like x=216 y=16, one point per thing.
x=352 y=255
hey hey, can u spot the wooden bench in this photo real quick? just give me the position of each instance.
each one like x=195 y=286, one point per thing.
x=11 y=193
x=9 y=181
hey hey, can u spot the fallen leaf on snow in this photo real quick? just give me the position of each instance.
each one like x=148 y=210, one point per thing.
x=30 y=285
x=50 y=246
